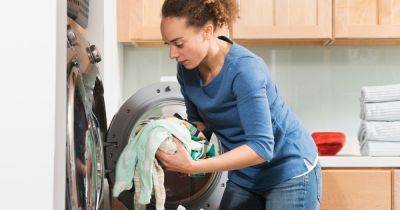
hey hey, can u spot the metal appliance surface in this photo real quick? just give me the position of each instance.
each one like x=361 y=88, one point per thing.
x=86 y=124
x=78 y=10
x=153 y=102
x=93 y=150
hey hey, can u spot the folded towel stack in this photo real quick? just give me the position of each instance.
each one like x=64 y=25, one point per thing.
x=379 y=133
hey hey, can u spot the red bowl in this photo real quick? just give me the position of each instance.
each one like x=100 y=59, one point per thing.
x=329 y=143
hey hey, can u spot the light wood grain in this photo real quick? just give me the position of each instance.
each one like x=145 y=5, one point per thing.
x=138 y=23
x=123 y=20
x=367 y=19
x=283 y=19
x=348 y=189
x=396 y=189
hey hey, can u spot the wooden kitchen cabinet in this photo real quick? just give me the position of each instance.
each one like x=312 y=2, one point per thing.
x=283 y=20
x=356 y=189
x=138 y=22
x=327 y=22
x=367 y=19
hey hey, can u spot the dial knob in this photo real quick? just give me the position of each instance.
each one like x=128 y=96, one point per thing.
x=71 y=36
x=94 y=54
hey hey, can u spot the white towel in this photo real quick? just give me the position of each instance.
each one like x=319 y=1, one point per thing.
x=384 y=111
x=380 y=93
x=159 y=189
x=380 y=148
x=379 y=131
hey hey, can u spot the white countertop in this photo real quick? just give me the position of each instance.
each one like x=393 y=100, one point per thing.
x=359 y=162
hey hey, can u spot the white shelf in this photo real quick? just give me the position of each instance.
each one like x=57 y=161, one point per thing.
x=359 y=162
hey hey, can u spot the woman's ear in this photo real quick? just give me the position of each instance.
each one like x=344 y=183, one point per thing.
x=208 y=31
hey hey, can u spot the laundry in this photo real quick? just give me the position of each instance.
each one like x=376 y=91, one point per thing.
x=380 y=93
x=385 y=111
x=140 y=153
x=380 y=148
x=159 y=189
x=379 y=131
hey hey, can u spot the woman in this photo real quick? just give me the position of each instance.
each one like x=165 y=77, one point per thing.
x=271 y=158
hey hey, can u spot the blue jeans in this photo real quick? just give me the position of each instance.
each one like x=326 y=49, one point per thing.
x=301 y=193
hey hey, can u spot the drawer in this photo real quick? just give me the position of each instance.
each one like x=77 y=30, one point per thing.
x=357 y=189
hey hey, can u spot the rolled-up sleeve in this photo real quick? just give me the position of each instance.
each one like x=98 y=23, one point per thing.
x=249 y=88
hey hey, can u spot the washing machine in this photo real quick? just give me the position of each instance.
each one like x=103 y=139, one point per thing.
x=93 y=149
x=153 y=102
x=86 y=123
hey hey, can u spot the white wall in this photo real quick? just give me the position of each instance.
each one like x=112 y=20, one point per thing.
x=61 y=100
x=33 y=92
x=113 y=61
x=101 y=31
x=32 y=108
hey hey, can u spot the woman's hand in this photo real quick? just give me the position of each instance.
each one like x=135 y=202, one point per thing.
x=178 y=162
x=199 y=125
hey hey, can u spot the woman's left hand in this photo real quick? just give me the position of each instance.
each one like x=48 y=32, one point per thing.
x=178 y=162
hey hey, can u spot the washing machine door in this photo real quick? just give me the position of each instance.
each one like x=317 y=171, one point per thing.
x=84 y=148
x=86 y=123
x=153 y=102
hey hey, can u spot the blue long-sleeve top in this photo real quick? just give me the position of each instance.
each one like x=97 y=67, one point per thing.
x=242 y=106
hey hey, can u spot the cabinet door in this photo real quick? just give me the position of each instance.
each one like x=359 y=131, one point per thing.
x=367 y=19
x=139 y=21
x=283 y=19
x=356 y=189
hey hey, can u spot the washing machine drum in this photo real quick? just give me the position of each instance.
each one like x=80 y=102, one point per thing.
x=153 y=102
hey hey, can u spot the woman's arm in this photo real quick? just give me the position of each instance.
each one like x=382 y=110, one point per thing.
x=199 y=125
x=240 y=157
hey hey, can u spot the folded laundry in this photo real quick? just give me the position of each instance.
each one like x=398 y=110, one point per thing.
x=379 y=131
x=380 y=148
x=140 y=153
x=380 y=93
x=384 y=111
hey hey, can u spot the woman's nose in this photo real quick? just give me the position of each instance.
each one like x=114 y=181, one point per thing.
x=173 y=54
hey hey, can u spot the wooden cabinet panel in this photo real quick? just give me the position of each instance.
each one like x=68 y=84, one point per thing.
x=283 y=19
x=279 y=21
x=367 y=19
x=139 y=21
x=357 y=189
x=396 y=189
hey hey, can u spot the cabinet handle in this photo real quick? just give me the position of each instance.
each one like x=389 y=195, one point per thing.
x=238 y=5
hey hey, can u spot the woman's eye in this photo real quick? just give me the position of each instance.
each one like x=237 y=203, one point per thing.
x=179 y=45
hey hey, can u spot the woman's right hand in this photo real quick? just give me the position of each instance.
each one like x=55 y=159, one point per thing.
x=200 y=125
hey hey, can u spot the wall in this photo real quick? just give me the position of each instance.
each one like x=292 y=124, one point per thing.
x=32 y=109
x=33 y=91
x=102 y=32
x=112 y=62
x=321 y=84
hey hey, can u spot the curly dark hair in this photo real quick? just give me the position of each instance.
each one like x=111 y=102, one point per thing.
x=199 y=12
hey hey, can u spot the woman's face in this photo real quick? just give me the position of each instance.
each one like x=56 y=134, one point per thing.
x=187 y=45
